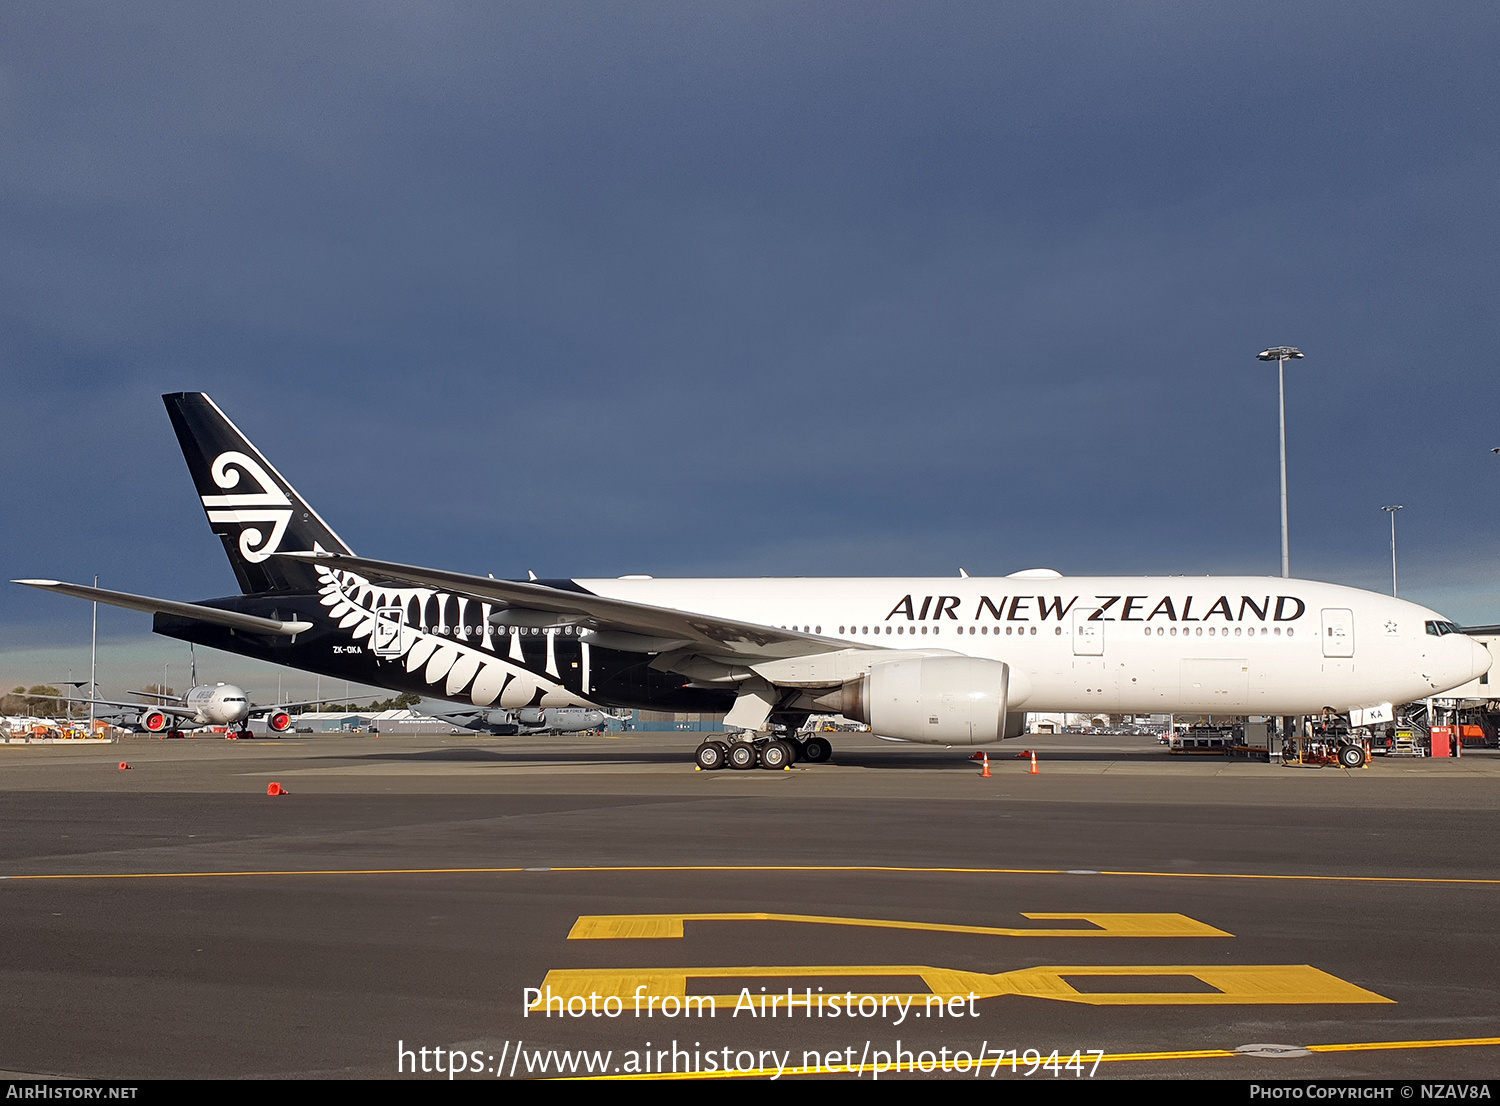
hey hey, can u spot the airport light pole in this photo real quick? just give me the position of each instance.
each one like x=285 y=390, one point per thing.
x=1281 y=355
x=1392 y=511
x=94 y=662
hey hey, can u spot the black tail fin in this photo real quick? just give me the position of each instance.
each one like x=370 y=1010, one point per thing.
x=250 y=505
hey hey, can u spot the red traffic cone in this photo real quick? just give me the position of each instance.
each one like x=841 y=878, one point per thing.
x=123 y=766
x=277 y=789
x=986 y=773
x=1035 y=771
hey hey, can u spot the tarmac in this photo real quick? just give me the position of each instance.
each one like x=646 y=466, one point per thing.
x=173 y=920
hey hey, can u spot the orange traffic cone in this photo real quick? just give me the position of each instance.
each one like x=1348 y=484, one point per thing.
x=1035 y=771
x=277 y=789
x=123 y=766
x=986 y=773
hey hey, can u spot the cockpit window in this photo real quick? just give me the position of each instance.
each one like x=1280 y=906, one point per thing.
x=1439 y=629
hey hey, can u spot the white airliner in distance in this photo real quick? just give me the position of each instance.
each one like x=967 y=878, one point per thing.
x=945 y=661
x=203 y=705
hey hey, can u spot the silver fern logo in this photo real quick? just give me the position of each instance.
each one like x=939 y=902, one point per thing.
x=375 y=614
x=250 y=509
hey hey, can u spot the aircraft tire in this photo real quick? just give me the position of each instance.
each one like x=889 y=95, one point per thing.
x=742 y=756
x=817 y=750
x=711 y=755
x=775 y=755
x=1351 y=756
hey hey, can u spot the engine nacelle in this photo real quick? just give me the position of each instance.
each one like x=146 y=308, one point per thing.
x=531 y=716
x=932 y=700
x=278 y=721
x=154 y=721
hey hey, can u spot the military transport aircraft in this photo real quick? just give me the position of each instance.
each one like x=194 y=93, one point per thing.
x=947 y=661
x=528 y=720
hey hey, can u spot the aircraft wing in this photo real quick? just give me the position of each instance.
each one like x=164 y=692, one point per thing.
x=257 y=709
x=655 y=629
x=247 y=622
x=166 y=708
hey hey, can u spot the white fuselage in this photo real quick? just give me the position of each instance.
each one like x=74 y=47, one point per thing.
x=217 y=704
x=1223 y=645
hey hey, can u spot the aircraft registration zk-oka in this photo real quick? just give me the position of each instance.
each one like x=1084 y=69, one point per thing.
x=939 y=661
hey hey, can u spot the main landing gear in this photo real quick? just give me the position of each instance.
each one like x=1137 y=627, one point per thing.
x=774 y=753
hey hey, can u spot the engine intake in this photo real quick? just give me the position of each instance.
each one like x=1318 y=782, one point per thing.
x=932 y=700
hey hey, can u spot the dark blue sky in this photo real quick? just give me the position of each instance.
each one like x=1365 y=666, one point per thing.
x=755 y=289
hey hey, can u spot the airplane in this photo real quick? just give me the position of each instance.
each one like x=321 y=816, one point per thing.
x=940 y=661
x=218 y=704
x=526 y=721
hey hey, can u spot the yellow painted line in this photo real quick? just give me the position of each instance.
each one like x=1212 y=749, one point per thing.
x=807 y=868
x=1375 y=1046
x=1108 y=1058
x=900 y=870
x=611 y=927
x=298 y=872
x=1233 y=985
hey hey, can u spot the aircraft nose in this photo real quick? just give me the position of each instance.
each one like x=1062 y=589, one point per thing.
x=1481 y=657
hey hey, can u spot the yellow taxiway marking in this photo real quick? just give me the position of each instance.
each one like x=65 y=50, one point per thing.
x=1251 y=984
x=789 y=868
x=290 y=872
x=610 y=927
x=1107 y=1058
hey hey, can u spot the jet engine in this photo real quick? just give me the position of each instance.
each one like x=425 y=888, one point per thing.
x=154 y=721
x=932 y=700
x=278 y=721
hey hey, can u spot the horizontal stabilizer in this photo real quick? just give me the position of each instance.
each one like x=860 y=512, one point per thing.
x=248 y=622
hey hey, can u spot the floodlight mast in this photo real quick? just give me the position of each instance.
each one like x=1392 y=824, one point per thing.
x=1392 y=511
x=1281 y=355
x=94 y=664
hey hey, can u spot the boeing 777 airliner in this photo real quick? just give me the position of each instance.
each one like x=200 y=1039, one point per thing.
x=935 y=660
